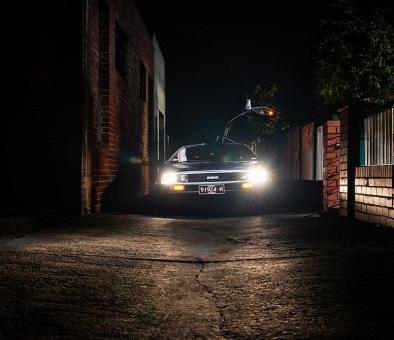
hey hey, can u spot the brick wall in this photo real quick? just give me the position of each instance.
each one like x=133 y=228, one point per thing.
x=374 y=194
x=343 y=170
x=331 y=164
x=115 y=154
x=307 y=151
x=79 y=131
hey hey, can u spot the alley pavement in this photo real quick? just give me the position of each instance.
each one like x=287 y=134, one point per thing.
x=269 y=276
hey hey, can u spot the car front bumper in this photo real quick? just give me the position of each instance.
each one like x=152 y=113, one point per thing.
x=246 y=188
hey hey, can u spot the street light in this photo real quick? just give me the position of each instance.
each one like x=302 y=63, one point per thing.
x=261 y=111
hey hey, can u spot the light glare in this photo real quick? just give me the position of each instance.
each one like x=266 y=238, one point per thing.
x=257 y=175
x=168 y=178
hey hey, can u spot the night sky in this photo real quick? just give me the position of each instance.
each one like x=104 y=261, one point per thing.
x=217 y=52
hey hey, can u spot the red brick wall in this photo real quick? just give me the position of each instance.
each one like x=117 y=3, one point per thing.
x=331 y=164
x=307 y=151
x=343 y=173
x=374 y=194
x=115 y=154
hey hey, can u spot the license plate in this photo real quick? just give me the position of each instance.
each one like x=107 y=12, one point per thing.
x=211 y=189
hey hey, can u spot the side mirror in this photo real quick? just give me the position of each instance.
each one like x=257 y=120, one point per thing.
x=174 y=160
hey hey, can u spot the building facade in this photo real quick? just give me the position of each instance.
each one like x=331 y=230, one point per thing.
x=87 y=99
x=119 y=98
x=159 y=150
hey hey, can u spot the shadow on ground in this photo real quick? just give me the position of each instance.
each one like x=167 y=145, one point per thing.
x=205 y=207
x=282 y=195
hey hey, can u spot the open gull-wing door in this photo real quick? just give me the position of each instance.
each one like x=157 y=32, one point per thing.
x=244 y=128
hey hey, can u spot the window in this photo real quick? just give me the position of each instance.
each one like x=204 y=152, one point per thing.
x=377 y=139
x=142 y=81
x=120 y=50
x=216 y=153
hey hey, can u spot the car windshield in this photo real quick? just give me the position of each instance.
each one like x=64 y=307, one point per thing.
x=216 y=153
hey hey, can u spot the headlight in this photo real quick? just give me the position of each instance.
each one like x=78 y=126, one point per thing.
x=257 y=175
x=168 y=178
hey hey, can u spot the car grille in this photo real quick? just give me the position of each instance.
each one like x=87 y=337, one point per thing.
x=215 y=177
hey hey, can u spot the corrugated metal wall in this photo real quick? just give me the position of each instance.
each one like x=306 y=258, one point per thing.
x=378 y=138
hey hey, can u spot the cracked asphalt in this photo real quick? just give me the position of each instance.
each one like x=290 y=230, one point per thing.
x=278 y=276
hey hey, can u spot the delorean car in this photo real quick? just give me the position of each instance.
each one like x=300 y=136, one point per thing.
x=213 y=169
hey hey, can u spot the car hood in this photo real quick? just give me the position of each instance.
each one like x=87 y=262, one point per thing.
x=202 y=166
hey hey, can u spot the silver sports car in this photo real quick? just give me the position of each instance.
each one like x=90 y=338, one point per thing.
x=213 y=169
